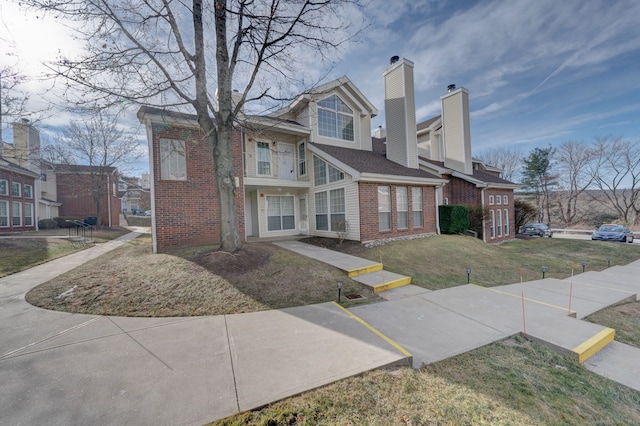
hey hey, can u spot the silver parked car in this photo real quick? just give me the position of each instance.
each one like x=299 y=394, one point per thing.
x=613 y=232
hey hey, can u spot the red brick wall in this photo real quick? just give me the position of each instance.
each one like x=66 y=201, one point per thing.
x=22 y=180
x=369 y=222
x=495 y=207
x=75 y=194
x=187 y=212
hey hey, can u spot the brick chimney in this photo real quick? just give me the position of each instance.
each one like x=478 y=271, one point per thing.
x=26 y=145
x=400 y=113
x=456 y=130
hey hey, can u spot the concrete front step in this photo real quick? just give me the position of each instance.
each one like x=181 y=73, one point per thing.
x=382 y=280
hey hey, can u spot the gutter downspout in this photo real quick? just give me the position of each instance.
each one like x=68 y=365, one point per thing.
x=109 y=198
x=438 y=209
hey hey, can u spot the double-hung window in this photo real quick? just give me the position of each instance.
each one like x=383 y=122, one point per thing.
x=335 y=119
x=280 y=213
x=173 y=159
x=16 y=213
x=492 y=226
x=499 y=222
x=402 y=206
x=416 y=206
x=505 y=221
x=28 y=214
x=15 y=189
x=331 y=210
x=302 y=159
x=264 y=158
x=384 y=208
x=4 y=214
x=28 y=191
x=4 y=187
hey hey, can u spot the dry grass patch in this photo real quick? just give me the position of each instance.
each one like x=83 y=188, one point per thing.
x=624 y=319
x=19 y=254
x=132 y=281
x=440 y=261
x=514 y=382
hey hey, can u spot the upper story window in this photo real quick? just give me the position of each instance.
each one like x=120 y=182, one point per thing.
x=173 y=159
x=15 y=189
x=28 y=191
x=4 y=187
x=322 y=169
x=335 y=119
x=264 y=158
x=302 y=159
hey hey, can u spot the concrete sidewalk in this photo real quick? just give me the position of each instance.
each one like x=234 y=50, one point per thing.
x=70 y=369
x=60 y=368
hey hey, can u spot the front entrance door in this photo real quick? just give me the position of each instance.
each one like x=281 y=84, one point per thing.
x=286 y=161
x=303 y=223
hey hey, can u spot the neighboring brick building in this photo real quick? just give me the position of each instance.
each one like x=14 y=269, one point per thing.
x=76 y=185
x=17 y=197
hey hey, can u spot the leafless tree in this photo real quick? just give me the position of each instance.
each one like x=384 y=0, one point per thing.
x=617 y=174
x=573 y=161
x=506 y=158
x=12 y=100
x=162 y=53
x=100 y=143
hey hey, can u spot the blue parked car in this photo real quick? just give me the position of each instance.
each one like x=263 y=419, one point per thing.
x=613 y=232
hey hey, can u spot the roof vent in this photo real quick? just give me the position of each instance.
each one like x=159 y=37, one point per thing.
x=451 y=87
x=394 y=59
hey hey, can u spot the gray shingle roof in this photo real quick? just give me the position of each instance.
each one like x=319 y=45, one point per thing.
x=371 y=162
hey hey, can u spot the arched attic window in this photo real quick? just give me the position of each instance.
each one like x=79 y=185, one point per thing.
x=335 y=119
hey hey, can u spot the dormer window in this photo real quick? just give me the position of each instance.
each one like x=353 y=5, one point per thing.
x=335 y=119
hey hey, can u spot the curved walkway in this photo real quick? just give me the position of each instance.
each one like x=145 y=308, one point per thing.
x=70 y=369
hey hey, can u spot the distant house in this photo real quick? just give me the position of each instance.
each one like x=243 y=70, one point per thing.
x=133 y=196
x=20 y=179
x=308 y=169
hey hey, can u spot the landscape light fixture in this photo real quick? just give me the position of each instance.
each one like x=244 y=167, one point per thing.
x=608 y=261
x=339 y=289
x=544 y=270
x=584 y=265
x=468 y=274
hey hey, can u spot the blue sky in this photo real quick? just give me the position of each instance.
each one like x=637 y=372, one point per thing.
x=538 y=72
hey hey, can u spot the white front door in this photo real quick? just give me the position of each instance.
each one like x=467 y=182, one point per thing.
x=303 y=222
x=286 y=161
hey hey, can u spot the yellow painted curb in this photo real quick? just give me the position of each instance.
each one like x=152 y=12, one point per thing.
x=591 y=347
x=378 y=333
x=391 y=284
x=527 y=299
x=364 y=270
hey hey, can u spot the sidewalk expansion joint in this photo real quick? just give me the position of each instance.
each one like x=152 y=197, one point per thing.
x=570 y=313
x=377 y=332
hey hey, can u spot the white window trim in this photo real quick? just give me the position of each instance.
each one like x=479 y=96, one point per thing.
x=491 y=201
x=301 y=161
x=329 y=212
x=327 y=174
x=492 y=224
x=16 y=185
x=419 y=191
x=26 y=185
x=19 y=204
x=352 y=115
x=24 y=213
x=398 y=211
x=390 y=221
x=165 y=172
x=505 y=222
x=269 y=145
x=281 y=222
x=6 y=187
x=8 y=216
x=499 y=199
x=505 y=200
x=499 y=223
